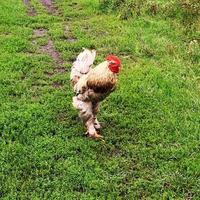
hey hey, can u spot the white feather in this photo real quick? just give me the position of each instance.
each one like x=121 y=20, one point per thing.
x=84 y=61
x=82 y=65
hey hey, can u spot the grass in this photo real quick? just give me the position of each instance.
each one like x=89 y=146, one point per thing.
x=151 y=122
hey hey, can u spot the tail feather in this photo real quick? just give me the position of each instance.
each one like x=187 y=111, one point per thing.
x=84 y=60
x=82 y=64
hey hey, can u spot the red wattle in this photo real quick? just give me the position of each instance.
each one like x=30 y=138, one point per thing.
x=114 y=69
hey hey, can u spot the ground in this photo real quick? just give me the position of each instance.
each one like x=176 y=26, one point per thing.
x=151 y=123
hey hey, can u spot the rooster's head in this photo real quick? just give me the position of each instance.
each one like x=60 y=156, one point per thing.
x=114 y=63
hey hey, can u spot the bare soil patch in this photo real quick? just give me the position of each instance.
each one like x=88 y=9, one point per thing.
x=57 y=85
x=30 y=10
x=39 y=32
x=50 y=50
x=60 y=69
x=49 y=5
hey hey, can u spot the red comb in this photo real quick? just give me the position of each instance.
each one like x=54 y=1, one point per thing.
x=114 y=63
x=113 y=58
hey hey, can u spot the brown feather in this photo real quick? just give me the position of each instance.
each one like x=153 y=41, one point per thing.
x=98 y=83
x=101 y=86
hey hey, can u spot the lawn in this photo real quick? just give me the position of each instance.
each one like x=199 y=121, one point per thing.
x=151 y=123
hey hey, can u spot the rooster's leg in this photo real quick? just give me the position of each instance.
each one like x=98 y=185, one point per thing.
x=95 y=109
x=86 y=114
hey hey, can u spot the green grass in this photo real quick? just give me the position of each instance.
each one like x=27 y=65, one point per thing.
x=151 y=123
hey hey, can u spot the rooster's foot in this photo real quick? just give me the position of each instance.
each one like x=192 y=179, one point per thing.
x=93 y=135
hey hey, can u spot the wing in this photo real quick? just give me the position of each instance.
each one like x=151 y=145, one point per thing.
x=105 y=85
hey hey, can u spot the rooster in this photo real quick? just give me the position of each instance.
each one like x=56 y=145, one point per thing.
x=91 y=86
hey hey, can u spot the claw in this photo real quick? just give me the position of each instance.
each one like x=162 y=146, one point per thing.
x=95 y=136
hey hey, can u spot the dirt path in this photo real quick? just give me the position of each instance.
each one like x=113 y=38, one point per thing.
x=49 y=48
x=49 y=5
x=39 y=32
x=51 y=51
x=30 y=10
